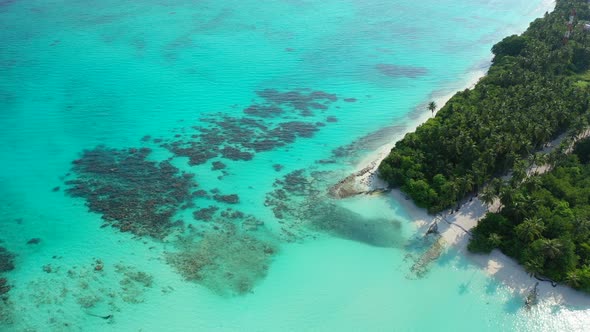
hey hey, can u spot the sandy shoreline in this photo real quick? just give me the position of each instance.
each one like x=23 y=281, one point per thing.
x=440 y=97
x=453 y=228
x=364 y=176
x=496 y=264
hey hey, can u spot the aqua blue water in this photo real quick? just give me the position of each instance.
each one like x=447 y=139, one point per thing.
x=78 y=74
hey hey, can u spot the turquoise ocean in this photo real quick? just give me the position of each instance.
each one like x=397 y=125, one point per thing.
x=165 y=165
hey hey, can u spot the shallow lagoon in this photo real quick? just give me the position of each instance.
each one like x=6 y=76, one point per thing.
x=241 y=77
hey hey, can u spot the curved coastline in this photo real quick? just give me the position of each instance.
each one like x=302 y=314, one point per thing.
x=454 y=230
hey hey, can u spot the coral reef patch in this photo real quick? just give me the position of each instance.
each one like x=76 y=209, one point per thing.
x=228 y=262
x=302 y=101
x=84 y=290
x=6 y=260
x=269 y=123
x=6 y=307
x=235 y=138
x=131 y=192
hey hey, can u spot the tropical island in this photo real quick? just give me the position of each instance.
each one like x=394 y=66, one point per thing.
x=487 y=140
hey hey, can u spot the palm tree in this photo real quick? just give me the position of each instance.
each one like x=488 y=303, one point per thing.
x=582 y=228
x=533 y=266
x=488 y=196
x=518 y=171
x=495 y=239
x=552 y=248
x=533 y=183
x=573 y=279
x=432 y=107
x=530 y=229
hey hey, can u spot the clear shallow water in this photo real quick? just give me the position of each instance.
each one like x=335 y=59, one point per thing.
x=76 y=74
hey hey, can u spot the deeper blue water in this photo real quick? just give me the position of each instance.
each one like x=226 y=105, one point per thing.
x=173 y=158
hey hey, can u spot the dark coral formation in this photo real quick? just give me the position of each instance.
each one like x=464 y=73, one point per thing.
x=6 y=264
x=286 y=199
x=263 y=111
x=302 y=101
x=240 y=138
x=217 y=165
x=131 y=192
x=237 y=138
x=397 y=71
x=232 y=214
x=4 y=287
x=229 y=199
x=205 y=214
x=34 y=240
x=228 y=262
x=231 y=251
x=6 y=260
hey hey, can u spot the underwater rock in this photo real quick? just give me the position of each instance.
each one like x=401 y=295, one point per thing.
x=98 y=265
x=47 y=268
x=35 y=240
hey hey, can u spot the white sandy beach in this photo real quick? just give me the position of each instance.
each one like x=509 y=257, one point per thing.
x=496 y=264
x=453 y=229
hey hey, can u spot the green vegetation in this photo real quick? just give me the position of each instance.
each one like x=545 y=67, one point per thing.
x=545 y=222
x=432 y=107
x=535 y=90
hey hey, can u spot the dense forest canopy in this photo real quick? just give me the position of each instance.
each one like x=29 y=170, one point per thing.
x=545 y=221
x=536 y=89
